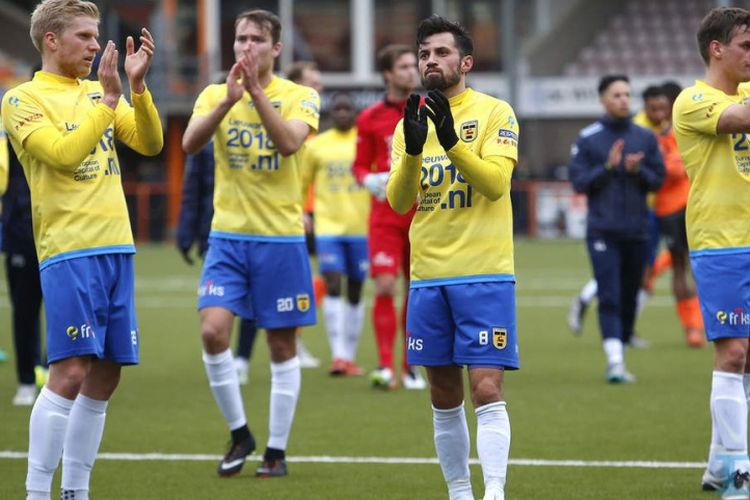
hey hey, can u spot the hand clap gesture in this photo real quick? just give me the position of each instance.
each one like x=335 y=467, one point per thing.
x=137 y=63
x=415 y=126
x=108 y=76
x=440 y=113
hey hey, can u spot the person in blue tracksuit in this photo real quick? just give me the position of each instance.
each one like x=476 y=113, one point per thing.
x=616 y=163
x=24 y=287
x=194 y=224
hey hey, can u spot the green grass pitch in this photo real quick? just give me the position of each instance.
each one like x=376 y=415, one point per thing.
x=560 y=407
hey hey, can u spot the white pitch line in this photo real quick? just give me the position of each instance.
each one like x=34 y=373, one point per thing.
x=530 y=462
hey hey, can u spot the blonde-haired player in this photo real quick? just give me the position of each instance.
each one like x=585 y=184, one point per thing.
x=63 y=129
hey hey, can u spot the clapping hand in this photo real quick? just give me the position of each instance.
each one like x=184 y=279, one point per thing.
x=633 y=162
x=138 y=62
x=415 y=126
x=108 y=76
x=439 y=111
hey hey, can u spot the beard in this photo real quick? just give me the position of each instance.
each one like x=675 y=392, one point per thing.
x=440 y=81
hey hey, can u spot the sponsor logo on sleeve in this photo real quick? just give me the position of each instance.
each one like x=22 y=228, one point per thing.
x=507 y=137
x=27 y=119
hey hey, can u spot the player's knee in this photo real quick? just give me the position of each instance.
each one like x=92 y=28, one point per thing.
x=732 y=358
x=385 y=284
x=486 y=392
x=67 y=380
x=215 y=338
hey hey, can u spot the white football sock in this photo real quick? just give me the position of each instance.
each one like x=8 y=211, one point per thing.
x=82 y=439
x=225 y=385
x=614 y=350
x=729 y=411
x=354 y=318
x=49 y=419
x=286 y=380
x=333 y=313
x=452 y=445
x=493 y=443
x=588 y=292
x=640 y=300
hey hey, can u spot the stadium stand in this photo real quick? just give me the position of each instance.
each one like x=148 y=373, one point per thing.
x=649 y=37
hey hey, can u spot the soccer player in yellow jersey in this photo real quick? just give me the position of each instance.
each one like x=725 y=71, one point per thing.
x=711 y=120
x=63 y=129
x=461 y=311
x=341 y=207
x=257 y=264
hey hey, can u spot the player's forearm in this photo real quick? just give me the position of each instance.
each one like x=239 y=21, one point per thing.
x=491 y=177
x=284 y=135
x=149 y=137
x=201 y=128
x=403 y=184
x=68 y=151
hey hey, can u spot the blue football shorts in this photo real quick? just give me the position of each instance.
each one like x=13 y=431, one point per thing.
x=723 y=283
x=471 y=324
x=90 y=308
x=270 y=282
x=343 y=254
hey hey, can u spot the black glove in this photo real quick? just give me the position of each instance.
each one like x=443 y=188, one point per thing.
x=415 y=125
x=185 y=252
x=440 y=113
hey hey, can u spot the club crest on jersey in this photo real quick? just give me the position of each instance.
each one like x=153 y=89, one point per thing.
x=94 y=96
x=499 y=338
x=303 y=302
x=469 y=130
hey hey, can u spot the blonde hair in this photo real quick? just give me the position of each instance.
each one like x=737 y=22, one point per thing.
x=56 y=15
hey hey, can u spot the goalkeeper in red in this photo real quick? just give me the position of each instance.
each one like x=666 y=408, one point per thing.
x=455 y=156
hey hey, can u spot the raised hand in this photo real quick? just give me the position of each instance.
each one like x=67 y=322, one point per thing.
x=615 y=154
x=234 y=85
x=439 y=111
x=249 y=64
x=108 y=76
x=633 y=162
x=137 y=63
x=415 y=126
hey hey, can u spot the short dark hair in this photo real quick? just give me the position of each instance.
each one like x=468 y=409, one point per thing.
x=295 y=70
x=671 y=90
x=436 y=24
x=653 y=91
x=263 y=18
x=388 y=55
x=608 y=80
x=720 y=24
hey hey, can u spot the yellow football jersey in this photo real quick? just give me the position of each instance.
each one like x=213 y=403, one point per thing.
x=718 y=166
x=4 y=161
x=78 y=204
x=642 y=120
x=341 y=204
x=257 y=191
x=458 y=235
